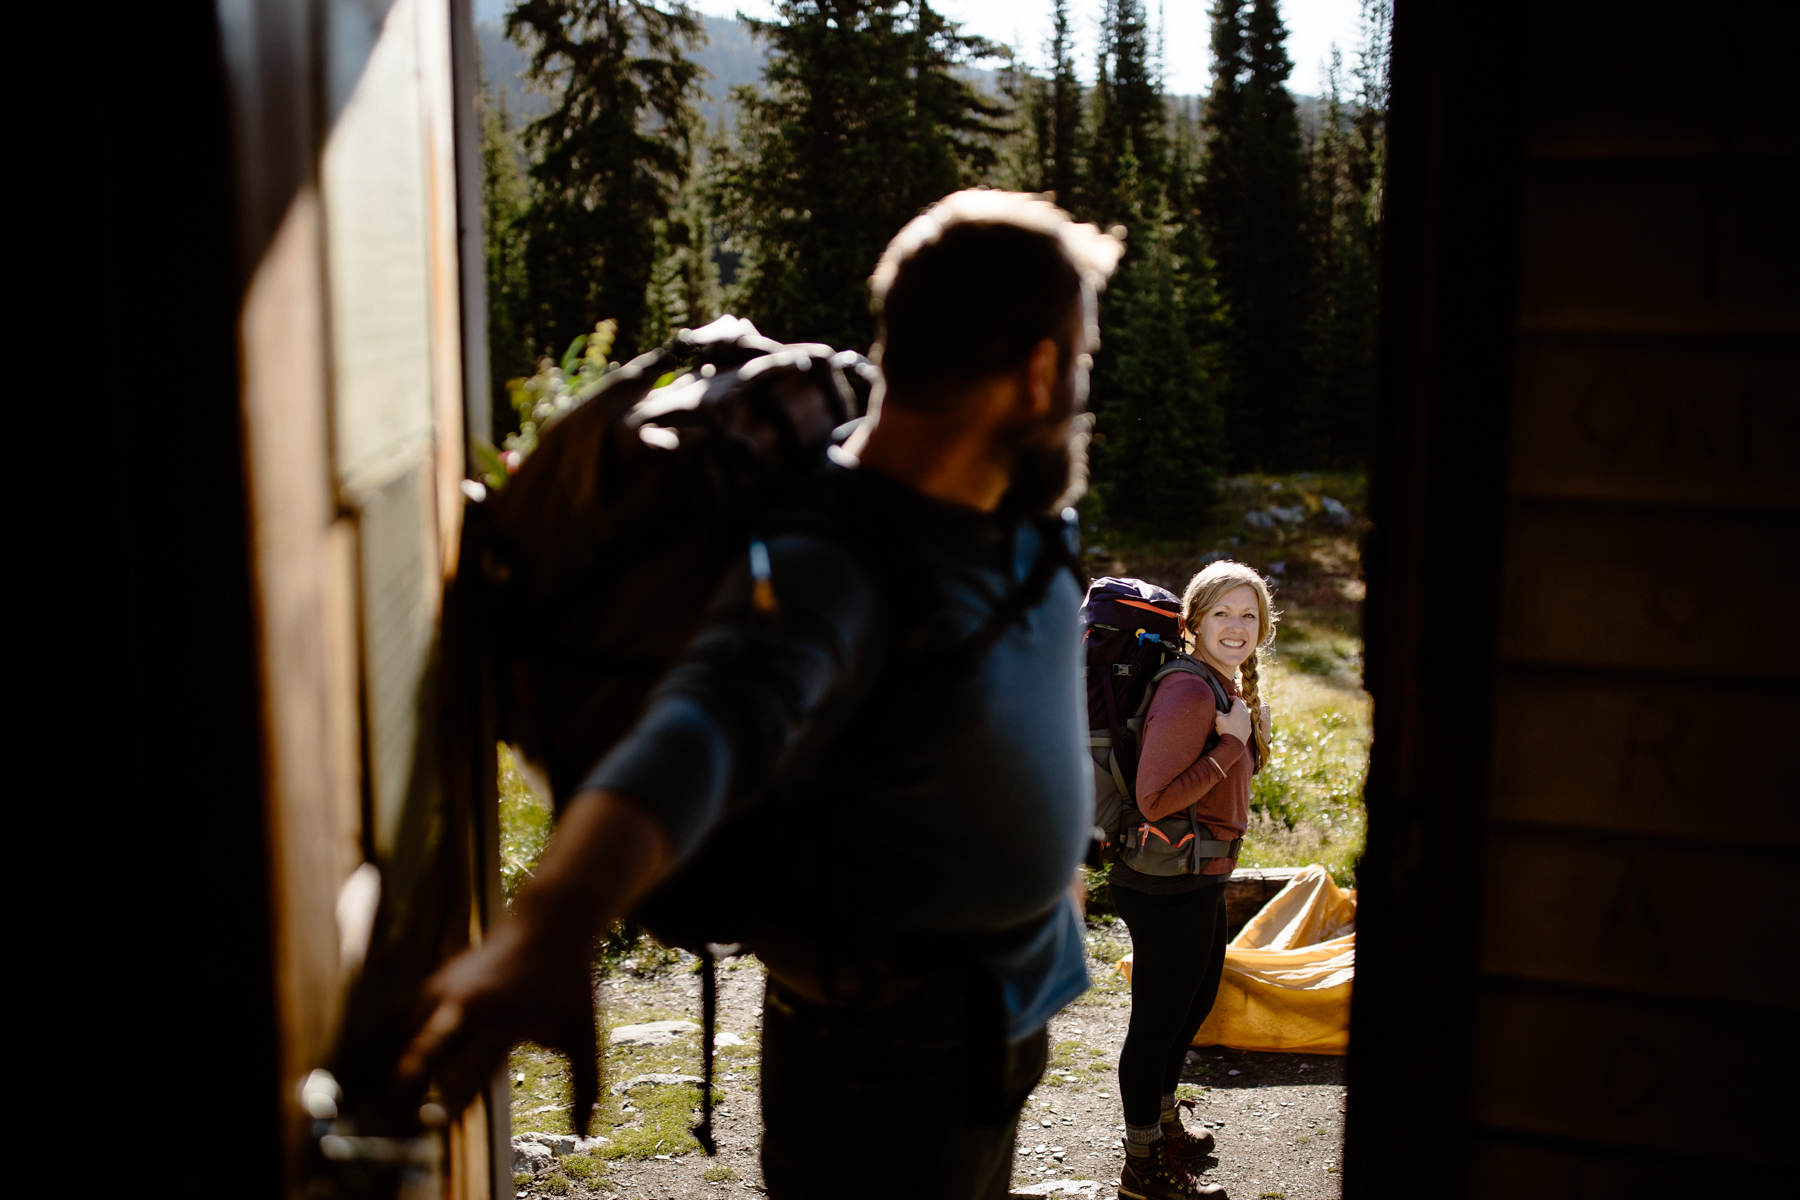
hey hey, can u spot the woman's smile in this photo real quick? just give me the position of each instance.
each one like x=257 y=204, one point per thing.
x=1227 y=634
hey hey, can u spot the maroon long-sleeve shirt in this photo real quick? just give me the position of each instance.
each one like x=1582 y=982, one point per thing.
x=1174 y=770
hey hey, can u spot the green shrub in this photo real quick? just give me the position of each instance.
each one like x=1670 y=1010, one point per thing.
x=1307 y=802
x=524 y=826
x=584 y=1167
x=541 y=399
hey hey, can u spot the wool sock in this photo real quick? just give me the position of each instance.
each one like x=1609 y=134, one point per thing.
x=1140 y=1138
x=1168 y=1106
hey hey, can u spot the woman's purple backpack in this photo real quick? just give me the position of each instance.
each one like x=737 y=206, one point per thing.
x=1131 y=638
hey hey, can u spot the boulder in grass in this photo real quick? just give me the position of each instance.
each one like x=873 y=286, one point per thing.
x=653 y=1033
x=531 y=1155
x=559 y=1143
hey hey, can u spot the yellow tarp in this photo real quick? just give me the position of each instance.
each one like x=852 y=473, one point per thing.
x=1287 y=975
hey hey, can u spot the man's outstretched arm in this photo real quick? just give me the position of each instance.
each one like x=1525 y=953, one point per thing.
x=529 y=978
x=736 y=702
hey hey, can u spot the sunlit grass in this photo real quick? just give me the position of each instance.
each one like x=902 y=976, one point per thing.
x=641 y=1124
x=524 y=825
x=1307 y=802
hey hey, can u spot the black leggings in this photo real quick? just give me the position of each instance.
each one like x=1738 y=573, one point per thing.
x=1177 y=956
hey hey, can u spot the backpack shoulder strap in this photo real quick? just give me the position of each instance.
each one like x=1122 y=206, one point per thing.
x=1058 y=550
x=893 y=557
x=1187 y=664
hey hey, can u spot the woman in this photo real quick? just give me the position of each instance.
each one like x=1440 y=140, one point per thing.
x=1193 y=790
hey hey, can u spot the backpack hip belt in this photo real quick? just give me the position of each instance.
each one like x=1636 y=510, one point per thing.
x=1135 y=839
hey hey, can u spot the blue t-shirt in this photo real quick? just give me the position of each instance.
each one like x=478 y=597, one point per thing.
x=934 y=791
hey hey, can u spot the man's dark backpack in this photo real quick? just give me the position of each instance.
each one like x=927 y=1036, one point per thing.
x=582 y=579
x=1131 y=642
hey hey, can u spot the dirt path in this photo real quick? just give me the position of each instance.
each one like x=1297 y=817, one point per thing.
x=1278 y=1117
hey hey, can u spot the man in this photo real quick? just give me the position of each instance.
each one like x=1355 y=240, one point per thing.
x=907 y=733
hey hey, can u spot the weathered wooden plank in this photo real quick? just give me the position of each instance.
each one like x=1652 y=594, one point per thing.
x=1600 y=912
x=1572 y=106
x=1600 y=1069
x=1696 y=421
x=437 y=136
x=1650 y=591
x=1506 y=1171
x=1659 y=248
x=1663 y=758
x=400 y=591
x=295 y=540
x=373 y=178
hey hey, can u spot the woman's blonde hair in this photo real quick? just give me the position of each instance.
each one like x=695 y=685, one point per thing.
x=1203 y=591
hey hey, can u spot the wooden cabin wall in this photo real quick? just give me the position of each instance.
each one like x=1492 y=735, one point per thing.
x=1580 y=897
x=182 y=1021
x=293 y=271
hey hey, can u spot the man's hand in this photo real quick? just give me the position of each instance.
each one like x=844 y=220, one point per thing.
x=517 y=985
x=528 y=980
x=1235 y=723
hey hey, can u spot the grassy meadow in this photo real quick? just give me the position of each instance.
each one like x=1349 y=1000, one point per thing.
x=1307 y=802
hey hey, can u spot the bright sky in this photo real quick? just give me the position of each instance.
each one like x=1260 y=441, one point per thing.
x=1313 y=25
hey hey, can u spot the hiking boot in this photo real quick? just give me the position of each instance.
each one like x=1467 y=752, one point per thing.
x=1185 y=1144
x=1158 y=1176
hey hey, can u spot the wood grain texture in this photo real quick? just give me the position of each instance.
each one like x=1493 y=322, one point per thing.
x=1613 y=1071
x=1650 y=590
x=1659 y=248
x=1506 y=1170
x=1661 y=758
x=1705 y=422
x=1644 y=917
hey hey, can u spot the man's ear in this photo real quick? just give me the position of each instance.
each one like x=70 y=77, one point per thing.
x=1041 y=372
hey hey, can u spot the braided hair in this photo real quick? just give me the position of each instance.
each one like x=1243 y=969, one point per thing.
x=1203 y=591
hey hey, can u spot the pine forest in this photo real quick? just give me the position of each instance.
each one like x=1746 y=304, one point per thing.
x=625 y=187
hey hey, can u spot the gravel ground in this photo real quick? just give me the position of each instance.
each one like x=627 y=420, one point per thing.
x=1278 y=1118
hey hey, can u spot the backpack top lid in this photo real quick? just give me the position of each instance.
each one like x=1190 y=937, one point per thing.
x=1132 y=604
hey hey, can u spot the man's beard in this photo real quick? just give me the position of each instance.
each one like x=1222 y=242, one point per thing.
x=1050 y=467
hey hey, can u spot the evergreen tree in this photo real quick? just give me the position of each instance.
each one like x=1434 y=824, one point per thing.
x=1137 y=89
x=1024 y=155
x=1251 y=198
x=609 y=158
x=1222 y=180
x=1201 y=324
x=684 y=283
x=1344 y=233
x=1129 y=111
x=1102 y=198
x=1368 y=165
x=1065 y=111
x=1341 y=299
x=1156 y=445
x=504 y=203
x=863 y=121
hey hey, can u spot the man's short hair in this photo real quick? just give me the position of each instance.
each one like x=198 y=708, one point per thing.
x=971 y=285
